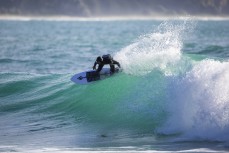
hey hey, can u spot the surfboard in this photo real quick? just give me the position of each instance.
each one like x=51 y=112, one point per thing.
x=92 y=76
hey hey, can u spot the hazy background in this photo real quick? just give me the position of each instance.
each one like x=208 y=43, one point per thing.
x=108 y=8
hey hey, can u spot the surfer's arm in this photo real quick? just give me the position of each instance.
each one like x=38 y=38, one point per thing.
x=94 y=67
x=117 y=63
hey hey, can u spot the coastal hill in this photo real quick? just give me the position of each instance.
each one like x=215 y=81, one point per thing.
x=107 y=8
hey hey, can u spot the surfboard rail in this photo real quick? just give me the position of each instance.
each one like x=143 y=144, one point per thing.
x=92 y=76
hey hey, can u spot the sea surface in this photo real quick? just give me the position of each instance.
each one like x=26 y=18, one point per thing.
x=172 y=95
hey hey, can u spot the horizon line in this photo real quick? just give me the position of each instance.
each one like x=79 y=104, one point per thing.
x=110 y=18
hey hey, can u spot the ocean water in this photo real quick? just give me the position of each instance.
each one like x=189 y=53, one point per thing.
x=172 y=95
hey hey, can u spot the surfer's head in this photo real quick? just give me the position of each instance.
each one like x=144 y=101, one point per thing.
x=99 y=59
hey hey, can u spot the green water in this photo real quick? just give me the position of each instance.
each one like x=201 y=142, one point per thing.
x=171 y=96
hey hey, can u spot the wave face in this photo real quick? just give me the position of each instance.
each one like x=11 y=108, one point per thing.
x=166 y=93
x=194 y=95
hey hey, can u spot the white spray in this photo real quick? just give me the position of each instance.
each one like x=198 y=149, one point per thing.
x=158 y=50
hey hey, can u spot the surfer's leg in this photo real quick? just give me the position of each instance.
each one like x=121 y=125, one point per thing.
x=112 y=68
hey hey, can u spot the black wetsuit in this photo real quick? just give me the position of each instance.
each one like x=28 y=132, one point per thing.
x=105 y=61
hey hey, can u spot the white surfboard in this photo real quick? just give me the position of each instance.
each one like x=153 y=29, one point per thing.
x=92 y=76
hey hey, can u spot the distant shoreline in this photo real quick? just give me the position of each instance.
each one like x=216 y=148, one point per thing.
x=110 y=18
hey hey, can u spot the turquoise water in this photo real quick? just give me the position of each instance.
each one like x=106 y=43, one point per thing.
x=173 y=93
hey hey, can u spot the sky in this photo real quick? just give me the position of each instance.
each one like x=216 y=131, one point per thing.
x=109 y=8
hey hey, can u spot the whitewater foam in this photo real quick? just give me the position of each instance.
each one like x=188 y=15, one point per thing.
x=198 y=102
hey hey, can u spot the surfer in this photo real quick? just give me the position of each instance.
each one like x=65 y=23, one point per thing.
x=105 y=59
